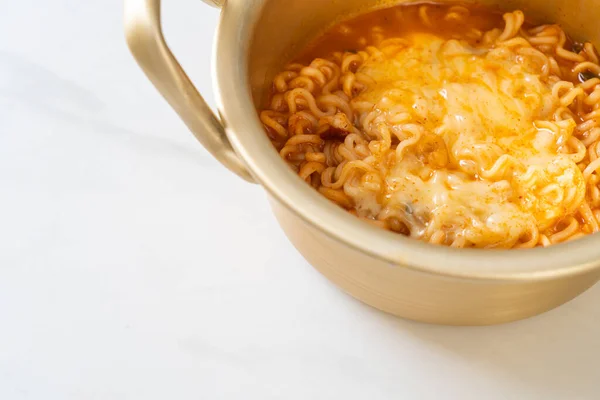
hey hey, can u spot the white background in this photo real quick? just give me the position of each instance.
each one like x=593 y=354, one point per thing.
x=133 y=266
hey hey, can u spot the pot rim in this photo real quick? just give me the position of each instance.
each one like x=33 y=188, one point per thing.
x=234 y=101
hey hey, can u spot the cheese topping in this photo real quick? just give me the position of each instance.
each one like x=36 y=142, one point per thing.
x=504 y=169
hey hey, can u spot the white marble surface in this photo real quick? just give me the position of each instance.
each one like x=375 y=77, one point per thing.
x=132 y=266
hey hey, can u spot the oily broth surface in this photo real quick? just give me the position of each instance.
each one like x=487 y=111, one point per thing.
x=366 y=29
x=458 y=126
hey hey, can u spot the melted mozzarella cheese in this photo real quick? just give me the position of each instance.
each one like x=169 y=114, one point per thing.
x=503 y=172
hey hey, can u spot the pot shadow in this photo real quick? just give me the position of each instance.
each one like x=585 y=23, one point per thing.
x=556 y=352
x=22 y=77
x=62 y=98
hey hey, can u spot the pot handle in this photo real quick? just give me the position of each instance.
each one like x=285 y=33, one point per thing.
x=145 y=39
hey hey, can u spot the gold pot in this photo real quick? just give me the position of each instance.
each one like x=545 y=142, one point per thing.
x=398 y=275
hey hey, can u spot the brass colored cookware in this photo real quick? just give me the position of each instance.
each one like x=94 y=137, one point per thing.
x=398 y=275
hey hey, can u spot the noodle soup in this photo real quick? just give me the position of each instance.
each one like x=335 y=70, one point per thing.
x=451 y=124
